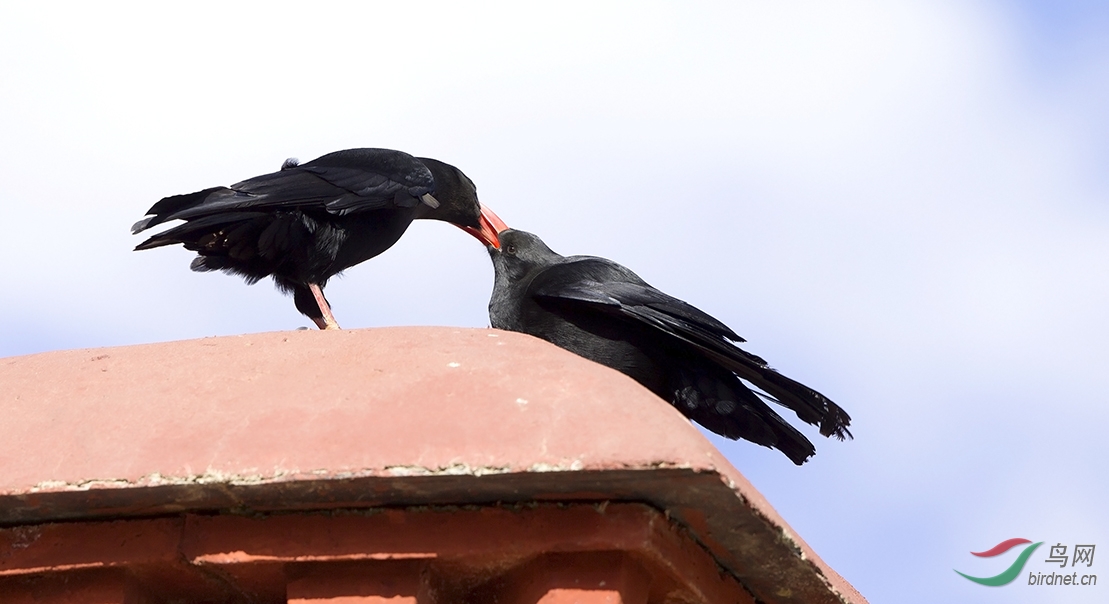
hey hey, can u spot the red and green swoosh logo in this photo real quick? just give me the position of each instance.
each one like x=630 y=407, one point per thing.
x=1014 y=569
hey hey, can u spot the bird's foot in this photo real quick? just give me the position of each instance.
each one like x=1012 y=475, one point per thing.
x=323 y=323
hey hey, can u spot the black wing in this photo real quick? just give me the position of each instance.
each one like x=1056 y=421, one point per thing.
x=339 y=183
x=601 y=286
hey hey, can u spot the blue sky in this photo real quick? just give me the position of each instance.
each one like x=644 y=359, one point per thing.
x=903 y=205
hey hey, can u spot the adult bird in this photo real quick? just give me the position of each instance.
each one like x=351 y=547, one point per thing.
x=308 y=222
x=604 y=312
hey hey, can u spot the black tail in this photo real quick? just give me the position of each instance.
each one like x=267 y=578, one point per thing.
x=167 y=207
x=809 y=405
x=719 y=401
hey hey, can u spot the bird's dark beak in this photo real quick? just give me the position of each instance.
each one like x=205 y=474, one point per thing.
x=491 y=225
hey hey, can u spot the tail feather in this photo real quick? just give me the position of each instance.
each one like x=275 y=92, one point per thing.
x=191 y=232
x=720 y=402
x=167 y=207
x=809 y=405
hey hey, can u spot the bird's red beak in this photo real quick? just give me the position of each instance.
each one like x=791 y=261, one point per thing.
x=491 y=224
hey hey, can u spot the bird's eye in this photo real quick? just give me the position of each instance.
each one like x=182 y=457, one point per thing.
x=510 y=249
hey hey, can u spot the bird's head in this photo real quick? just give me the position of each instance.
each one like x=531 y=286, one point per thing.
x=519 y=254
x=455 y=201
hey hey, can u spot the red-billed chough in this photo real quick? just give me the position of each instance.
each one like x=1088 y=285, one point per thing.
x=308 y=222
x=604 y=312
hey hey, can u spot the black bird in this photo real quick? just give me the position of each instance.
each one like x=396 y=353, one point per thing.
x=308 y=222
x=604 y=312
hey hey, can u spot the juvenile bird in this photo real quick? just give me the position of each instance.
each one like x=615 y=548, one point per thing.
x=604 y=312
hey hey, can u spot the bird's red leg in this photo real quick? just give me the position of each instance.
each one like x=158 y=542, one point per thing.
x=328 y=321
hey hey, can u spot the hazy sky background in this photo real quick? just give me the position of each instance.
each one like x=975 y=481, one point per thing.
x=902 y=204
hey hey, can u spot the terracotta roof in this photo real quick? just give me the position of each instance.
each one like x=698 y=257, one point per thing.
x=380 y=418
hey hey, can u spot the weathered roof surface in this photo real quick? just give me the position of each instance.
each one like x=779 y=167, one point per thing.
x=311 y=420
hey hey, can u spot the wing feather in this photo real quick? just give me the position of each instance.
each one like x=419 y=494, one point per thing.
x=354 y=180
x=699 y=332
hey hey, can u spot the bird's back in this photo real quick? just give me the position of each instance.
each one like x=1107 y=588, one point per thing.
x=301 y=224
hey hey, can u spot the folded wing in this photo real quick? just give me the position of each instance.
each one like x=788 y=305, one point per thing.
x=339 y=183
x=695 y=331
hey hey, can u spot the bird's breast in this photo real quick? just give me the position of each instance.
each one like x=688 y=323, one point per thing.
x=359 y=237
